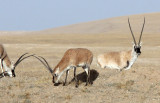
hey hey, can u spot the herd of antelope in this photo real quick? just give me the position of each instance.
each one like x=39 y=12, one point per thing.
x=77 y=57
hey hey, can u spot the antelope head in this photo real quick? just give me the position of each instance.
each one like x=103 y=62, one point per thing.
x=137 y=47
x=11 y=70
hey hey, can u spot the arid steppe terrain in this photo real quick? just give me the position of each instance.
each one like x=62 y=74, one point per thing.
x=33 y=83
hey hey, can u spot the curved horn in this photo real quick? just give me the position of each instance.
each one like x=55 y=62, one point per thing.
x=2 y=53
x=131 y=32
x=44 y=63
x=141 y=32
x=23 y=59
x=19 y=58
x=3 y=58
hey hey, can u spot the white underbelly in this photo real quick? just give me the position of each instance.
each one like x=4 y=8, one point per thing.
x=81 y=64
x=111 y=66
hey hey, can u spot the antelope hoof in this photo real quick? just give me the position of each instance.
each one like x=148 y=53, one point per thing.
x=3 y=75
x=64 y=84
x=56 y=84
x=91 y=82
x=76 y=86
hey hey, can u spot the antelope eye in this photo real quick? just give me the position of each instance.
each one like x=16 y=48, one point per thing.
x=135 y=49
x=55 y=75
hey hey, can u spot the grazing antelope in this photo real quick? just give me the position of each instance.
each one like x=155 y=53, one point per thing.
x=79 y=57
x=124 y=59
x=6 y=64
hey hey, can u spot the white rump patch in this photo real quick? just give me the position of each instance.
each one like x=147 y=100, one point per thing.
x=112 y=66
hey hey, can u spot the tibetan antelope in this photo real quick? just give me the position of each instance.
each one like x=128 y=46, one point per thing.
x=7 y=65
x=73 y=58
x=124 y=59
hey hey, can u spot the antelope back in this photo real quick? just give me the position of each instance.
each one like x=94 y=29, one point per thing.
x=75 y=57
x=79 y=55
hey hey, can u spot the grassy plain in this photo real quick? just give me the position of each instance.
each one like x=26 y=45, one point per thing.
x=33 y=83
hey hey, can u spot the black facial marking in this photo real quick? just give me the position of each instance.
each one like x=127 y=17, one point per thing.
x=53 y=80
x=127 y=63
x=55 y=75
x=137 y=50
x=13 y=73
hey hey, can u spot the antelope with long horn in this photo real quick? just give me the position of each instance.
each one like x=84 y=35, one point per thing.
x=7 y=66
x=73 y=58
x=124 y=59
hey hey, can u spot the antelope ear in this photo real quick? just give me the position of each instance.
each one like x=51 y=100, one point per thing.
x=133 y=43
x=57 y=71
x=12 y=62
x=12 y=65
x=140 y=44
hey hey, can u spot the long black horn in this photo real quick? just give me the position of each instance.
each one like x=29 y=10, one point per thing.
x=44 y=63
x=23 y=59
x=19 y=58
x=141 y=32
x=3 y=59
x=132 y=32
x=2 y=53
x=3 y=56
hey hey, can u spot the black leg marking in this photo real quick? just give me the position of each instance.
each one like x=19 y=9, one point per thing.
x=88 y=75
x=66 y=78
x=127 y=64
x=75 y=77
x=88 y=79
x=2 y=68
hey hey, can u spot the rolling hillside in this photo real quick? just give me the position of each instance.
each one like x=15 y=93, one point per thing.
x=111 y=25
x=33 y=83
x=114 y=25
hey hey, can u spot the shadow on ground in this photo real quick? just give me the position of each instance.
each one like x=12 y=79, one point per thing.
x=82 y=76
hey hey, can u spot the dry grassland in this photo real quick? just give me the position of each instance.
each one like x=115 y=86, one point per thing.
x=33 y=83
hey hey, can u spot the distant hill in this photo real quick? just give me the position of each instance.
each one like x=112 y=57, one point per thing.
x=14 y=32
x=107 y=26
x=112 y=25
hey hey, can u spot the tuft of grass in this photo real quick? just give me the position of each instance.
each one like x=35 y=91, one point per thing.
x=127 y=85
x=12 y=95
x=130 y=82
x=19 y=84
x=68 y=97
x=85 y=90
x=27 y=101
x=158 y=94
x=9 y=87
x=25 y=96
